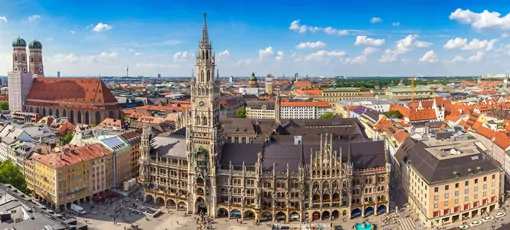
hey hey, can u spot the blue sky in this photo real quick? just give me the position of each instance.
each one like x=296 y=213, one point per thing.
x=352 y=38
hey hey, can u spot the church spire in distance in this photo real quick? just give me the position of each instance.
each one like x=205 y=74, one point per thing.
x=205 y=35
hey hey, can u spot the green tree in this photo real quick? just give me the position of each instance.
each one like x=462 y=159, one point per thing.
x=327 y=115
x=4 y=105
x=241 y=112
x=11 y=174
x=68 y=137
x=394 y=113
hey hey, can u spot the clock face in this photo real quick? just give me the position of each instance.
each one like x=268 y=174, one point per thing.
x=201 y=103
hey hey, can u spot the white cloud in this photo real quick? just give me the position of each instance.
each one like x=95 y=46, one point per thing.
x=475 y=44
x=224 y=53
x=323 y=54
x=456 y=43
x=108 y=55
x=139 y=54
x=429 y=57
x=483 y=20
x=296 y=26
x=369 y=50
x=182 y=55
x=364 y=40
x=477 y=57
x=422 y=44
x=457 y=59
x=333 y=31
x=34 y=18
x=396 y=24
x=131 y=50
x=3 y=19
x=375 y=20
x=152 y=65
x=279 y=56
x=363 y=56
x=268 y=51
x=504 y=35
x=311 y=45
x=403 y=46
x=102 y=27
x=72 y=31
x=245 y=62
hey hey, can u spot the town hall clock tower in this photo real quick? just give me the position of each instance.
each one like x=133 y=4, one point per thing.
x=204 y=135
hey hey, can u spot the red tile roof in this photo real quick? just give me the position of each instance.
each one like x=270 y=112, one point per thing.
x=80 y=93
x=73 y=155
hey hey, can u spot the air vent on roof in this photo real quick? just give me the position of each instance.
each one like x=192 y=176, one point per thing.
x=470 y=171
x=479 y=169
x=456 y=174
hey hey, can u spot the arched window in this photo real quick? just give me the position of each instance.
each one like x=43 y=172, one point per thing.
x=79 y=116
x=204 y=121
x=71 y=116
x=87 y=119
x=64 y=113
x=202 y=75
x=15 y=57
x=57 y=113
x=44 y=112
x=208 y=76
x=98 y=117
x=206 y=55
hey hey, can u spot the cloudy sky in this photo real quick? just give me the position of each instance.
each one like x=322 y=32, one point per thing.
x=351 y=38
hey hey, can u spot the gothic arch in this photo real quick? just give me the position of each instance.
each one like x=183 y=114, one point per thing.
x=249 y=214
x=208 y=76
x=202 y=75
x=87 y=118
x=204 y=120
x=149 y=198
x=201 y=206
x=325 y=186
x=170 y=203
x=222 y=213
x=79 y=117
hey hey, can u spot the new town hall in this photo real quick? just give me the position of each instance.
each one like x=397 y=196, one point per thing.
x=266 y=170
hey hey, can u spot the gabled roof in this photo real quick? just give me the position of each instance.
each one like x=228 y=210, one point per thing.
x=70 y=92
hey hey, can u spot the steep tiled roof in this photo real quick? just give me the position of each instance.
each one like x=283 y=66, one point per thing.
x=73 y=155
x=70 y=92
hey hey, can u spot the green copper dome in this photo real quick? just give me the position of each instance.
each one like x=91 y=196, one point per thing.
x=35 y=45
x=19 y=42
x=253 y=78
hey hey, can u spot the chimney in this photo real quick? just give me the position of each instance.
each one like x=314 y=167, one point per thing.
x=39 y=151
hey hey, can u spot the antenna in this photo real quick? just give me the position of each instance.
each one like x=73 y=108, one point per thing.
x=127 y=71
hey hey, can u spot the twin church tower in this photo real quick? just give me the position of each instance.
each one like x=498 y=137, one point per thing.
x=23 y=71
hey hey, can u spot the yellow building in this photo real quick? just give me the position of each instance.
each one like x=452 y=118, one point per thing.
x=448 y=181
x=72 y=175
x=260 y=110
x=347 y=93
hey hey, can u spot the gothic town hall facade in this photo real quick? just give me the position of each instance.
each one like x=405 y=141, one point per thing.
x=265 y=170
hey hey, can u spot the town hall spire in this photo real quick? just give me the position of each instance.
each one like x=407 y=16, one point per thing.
x=205 y=35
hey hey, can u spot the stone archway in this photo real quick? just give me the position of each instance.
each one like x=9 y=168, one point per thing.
x=171 y=204
x=381 y=209
x=160 y=201
x=281 y=216
x=249 y=215
x=181 y=206
x=149 y=199
x=294 y=216
x=201 y=206
x=335 y=214
x=222 y=213
x=266 y=216
x=234 y=213
x=325 y=215
x=355 y=212
x=369 y=211
x=316 y=216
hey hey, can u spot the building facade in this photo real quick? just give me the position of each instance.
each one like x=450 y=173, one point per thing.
x=19 y=79
x=275 y=176
x=447 y=181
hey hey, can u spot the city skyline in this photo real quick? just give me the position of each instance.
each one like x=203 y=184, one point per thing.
x=351 y=39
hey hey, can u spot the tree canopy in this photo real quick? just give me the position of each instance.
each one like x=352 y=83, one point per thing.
x=11 y=174
x=241 y=112
x=4 y=105
x=394 y=113
x=68 y=137
x=327 y=115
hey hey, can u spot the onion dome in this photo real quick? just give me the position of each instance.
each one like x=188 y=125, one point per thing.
x=19 y=42
x=35 y=45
